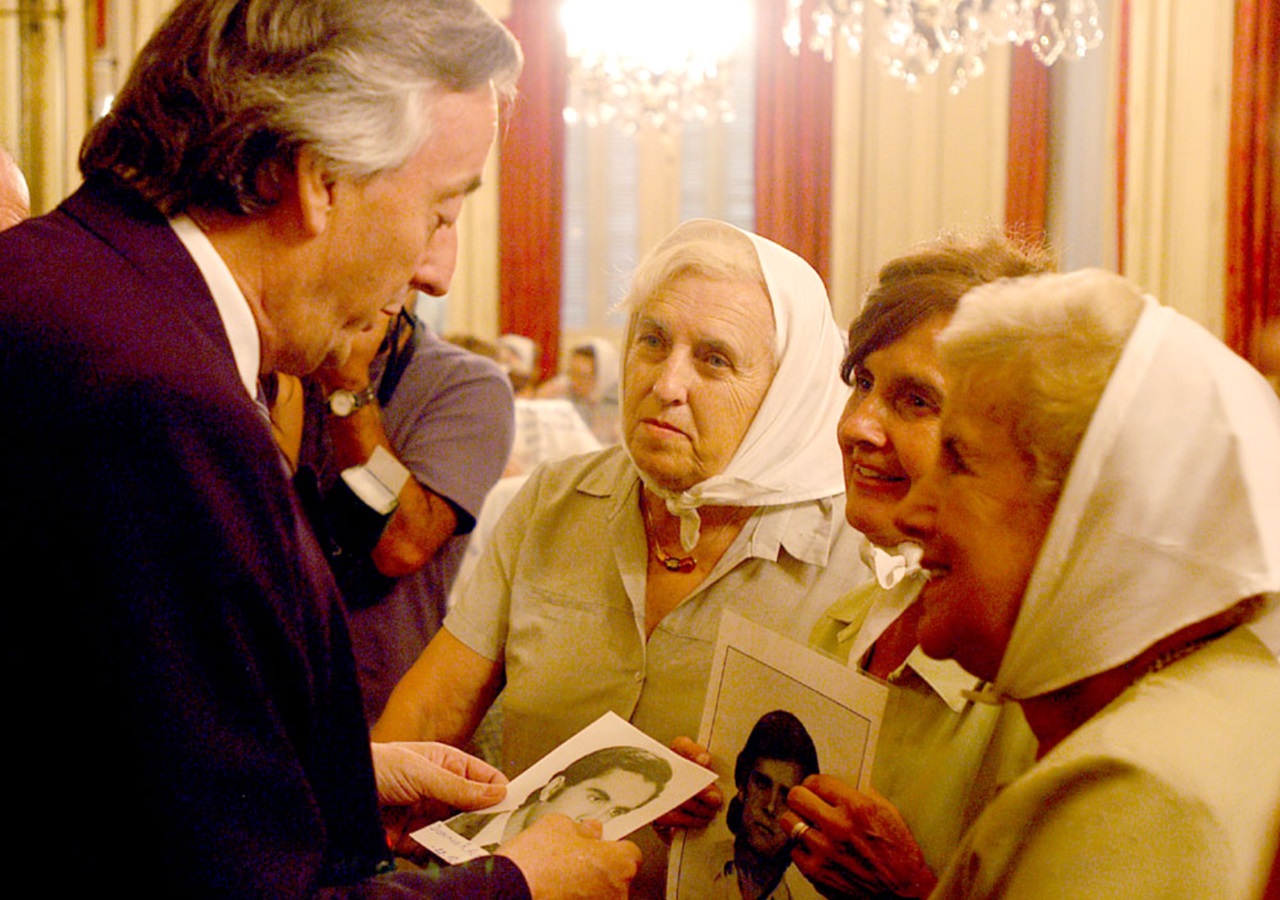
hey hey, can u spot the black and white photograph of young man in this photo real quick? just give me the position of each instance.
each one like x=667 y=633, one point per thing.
x=602 y=785
x=610 y=772
x=779 y=754
x=776 y=713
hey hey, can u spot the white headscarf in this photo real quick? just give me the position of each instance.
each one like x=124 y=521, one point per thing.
x=523 y=351
x=608 y=369
x=1170 y=513
x=789 y=454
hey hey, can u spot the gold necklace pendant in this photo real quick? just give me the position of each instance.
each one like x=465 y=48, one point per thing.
x=683 y=564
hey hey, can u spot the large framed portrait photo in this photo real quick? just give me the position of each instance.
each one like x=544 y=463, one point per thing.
x=776 y=712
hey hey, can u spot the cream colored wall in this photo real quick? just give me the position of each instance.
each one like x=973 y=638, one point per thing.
x=51 y=77
x=474 y=292
x=1179 y=102
x=909 y=164
x=10 y=73
x=473 y=296
x=132 y=24
x=1081 y=209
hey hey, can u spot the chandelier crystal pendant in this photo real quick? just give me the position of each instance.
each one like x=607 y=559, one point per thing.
x=656 y=64
x=916 y=38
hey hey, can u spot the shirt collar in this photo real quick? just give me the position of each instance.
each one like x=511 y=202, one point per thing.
x=805 y=529
x=944 y=677
x=951 y=683
x=233 y=308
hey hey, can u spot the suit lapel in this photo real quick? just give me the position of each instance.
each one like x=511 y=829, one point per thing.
x=141 y=236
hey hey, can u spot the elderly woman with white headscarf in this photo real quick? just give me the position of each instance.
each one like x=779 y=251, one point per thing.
x=590 y=383
x=1102 y=534
x=604 y=584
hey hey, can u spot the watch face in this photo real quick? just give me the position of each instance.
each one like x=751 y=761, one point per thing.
x=342 y=403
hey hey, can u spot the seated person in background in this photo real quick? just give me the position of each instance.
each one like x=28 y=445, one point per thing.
x=1102 y=537
x=590 y=382
x=601 y=785
x=940 y=757
x=604 y=583
x=446 y=414
x=778 y=755
x=546 y=430
x=477 y=345
x=518 y=355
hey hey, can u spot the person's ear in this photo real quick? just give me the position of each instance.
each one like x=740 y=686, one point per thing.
x=551 y=789
x=315 y=186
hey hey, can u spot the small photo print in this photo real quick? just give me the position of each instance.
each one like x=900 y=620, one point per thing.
x=610 y=771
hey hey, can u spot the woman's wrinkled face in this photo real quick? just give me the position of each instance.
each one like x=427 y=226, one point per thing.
x=699 y=363
x=889 y=431
x=981 y=520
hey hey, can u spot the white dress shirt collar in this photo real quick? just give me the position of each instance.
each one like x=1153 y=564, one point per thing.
x=233 y=308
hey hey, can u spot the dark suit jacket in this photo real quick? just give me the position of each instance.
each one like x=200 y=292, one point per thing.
x=184 y=713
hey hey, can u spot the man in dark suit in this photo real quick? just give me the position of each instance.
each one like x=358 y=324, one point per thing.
x=273 y=178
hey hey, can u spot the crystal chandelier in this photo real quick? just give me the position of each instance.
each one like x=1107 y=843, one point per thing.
x=657 y=64
x=918 y=37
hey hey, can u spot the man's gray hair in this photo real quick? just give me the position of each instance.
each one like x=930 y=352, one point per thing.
x=227 y=92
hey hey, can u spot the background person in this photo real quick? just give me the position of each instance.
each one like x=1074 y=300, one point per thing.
x=940 y=757
x=519 y=356
x=266 y=187
x=604 y=582
x=447 y=416
x=1101 y=530
x=590 y=383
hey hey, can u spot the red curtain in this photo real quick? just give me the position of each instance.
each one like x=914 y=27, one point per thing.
x=1253 y=195
x=532 y=176
x=793 y=142
x=1028 y=166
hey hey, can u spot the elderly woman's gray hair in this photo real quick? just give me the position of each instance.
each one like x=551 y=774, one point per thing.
x=227 y=92
x=1046 y=348
x=699 y=247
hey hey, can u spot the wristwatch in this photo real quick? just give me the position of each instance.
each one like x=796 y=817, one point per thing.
x=343 y=402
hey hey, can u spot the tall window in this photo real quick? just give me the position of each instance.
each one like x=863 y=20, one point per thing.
x=623 y=193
